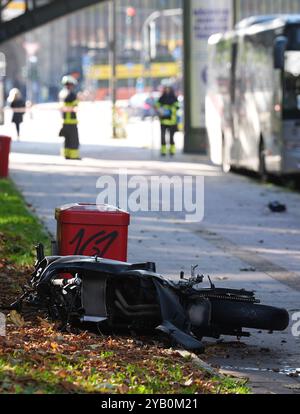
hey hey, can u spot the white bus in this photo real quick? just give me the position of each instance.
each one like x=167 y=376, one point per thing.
x=253 y=96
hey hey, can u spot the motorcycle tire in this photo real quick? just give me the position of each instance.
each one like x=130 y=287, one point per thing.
x=225 y=313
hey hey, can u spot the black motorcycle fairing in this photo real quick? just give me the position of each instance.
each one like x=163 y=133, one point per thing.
x=179 y=336
x=135 y=298
x=171 y=308
x=119 y=292
x=50 y=266
x=93 y=298
x=53 y=265
x=175 y=320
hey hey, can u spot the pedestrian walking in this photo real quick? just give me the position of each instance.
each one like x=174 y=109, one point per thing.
x=69 y=104
x=167 y=107
x=17 y=104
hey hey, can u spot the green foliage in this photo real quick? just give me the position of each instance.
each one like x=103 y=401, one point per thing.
x=19 y=229
x=64 y=374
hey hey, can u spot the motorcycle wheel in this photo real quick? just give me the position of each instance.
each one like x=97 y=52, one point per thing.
x=225 y=314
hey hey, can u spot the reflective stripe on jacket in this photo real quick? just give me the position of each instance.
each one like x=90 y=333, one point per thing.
x=70 y=101
x=168 y=113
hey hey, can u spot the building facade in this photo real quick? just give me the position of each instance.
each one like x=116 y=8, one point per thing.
x=247 y=8
x=79 y=44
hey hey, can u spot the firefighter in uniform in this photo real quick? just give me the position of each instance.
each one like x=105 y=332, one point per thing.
x=167 y=108
x=69 y=103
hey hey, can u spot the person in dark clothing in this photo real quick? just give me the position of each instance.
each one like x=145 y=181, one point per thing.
x=167 y=107
x=69 y=131
x=17 y=104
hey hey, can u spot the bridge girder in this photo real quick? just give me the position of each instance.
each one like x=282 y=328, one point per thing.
x=36 y=15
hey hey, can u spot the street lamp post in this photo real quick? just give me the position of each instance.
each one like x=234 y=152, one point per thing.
x=149 y=48
x=235 y=11
x=31 y=49
x=2 y=75
x=113 y=62
x=152 y=19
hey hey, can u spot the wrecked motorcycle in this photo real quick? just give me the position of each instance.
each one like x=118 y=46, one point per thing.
x=118 y=295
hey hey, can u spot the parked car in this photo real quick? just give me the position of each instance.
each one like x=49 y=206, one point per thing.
x=142 y=104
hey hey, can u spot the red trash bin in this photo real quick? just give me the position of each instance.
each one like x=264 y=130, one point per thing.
x=90 y=229
x=4 y=155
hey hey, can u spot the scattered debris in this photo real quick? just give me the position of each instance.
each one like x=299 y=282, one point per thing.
x=265 y=350
x=293 y=386
x=248 y=269
x=277 y=207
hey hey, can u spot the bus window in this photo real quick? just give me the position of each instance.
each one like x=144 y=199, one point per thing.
x=291 y=85
x=234 y=53
x=253 y=123
x=293 y=34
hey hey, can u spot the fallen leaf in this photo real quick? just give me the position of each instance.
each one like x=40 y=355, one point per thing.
x=15 y=318
x=188 y=382
x=54 y=346
x=68 y=386
x=94 y=346
x=123 y=389
x=44 y=323
x=60 y=339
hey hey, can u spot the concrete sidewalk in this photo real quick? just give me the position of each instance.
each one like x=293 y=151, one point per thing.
x=238 y=233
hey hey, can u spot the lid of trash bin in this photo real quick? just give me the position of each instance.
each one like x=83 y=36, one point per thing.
x=92 y=214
